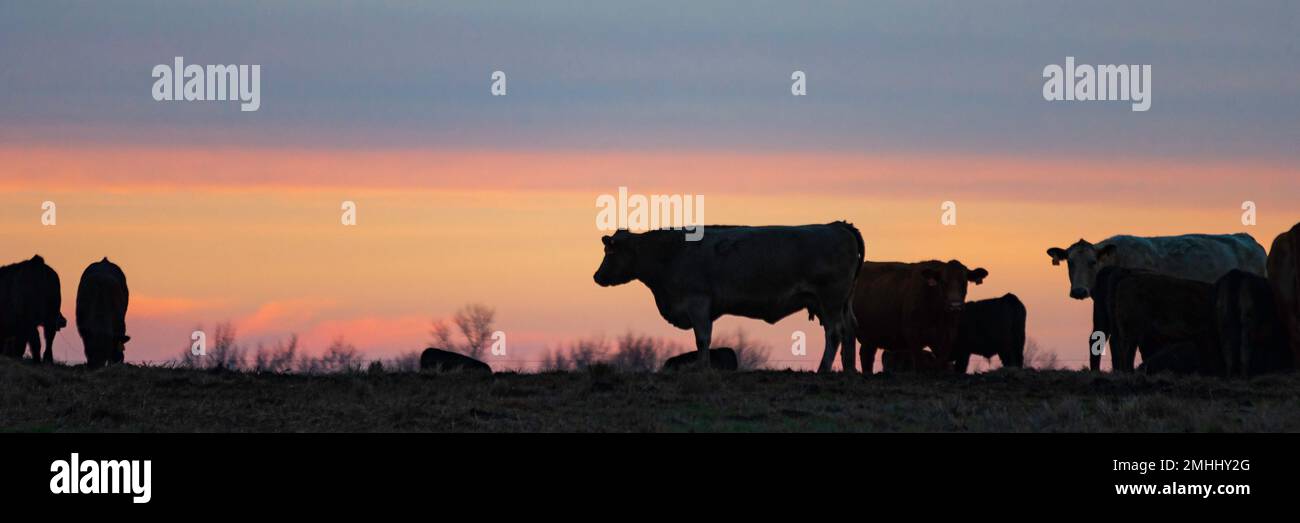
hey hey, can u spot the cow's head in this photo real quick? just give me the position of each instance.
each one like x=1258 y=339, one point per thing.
x=619 y=265
x=1084 y=260
x=949 y=281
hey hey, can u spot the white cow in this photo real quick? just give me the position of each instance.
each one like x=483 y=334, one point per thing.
x=1199 y=257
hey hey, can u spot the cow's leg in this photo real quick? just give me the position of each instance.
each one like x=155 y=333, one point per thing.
x=848 y=334
x=703 y=335
x=34 y=344
x=830 y=324
x=1123 y=353
x=703 y=326
x=867 y=353
x=833 y=345
x=49 y=344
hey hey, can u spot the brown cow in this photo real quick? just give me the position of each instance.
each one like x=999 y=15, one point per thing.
x=1284 y=277
x=910 y=306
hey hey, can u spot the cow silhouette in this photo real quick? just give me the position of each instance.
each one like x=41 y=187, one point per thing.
x=443 y=360
x=102 y=298
x=30 y=297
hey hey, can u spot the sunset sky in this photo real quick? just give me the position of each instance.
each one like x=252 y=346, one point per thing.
x=217 y=214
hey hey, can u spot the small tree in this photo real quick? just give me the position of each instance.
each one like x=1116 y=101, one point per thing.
x=474 y=322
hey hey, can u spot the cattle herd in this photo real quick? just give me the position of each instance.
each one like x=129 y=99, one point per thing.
x=30 y=297
x=1196 y=303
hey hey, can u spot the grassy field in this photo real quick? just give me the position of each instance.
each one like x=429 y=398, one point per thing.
x=128 y=398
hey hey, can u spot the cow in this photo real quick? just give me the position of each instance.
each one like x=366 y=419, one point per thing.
x=1197 y=257
x=765 y=272
x=442 y=360
x=909 y=306
x=1251 y=334
x=1144 y=311
x=30 y=297
x=1284 y=278
x=722 y=358
x=102 y=299
x=992 y=327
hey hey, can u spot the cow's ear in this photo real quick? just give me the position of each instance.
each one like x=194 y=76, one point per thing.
x=607 y=240
x=1057 y=255
x=931 y=277
x=1108 y=250
x=977 y=276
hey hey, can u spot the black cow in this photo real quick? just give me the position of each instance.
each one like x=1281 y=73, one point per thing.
x=102 y=298
x=1251 y=333
x=765 y=273
x=1148 y=312
x=442 y=360
x=721 y=358
x=30 y=297
x=992 y=327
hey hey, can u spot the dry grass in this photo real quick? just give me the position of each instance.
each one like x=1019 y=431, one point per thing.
x=127 y=398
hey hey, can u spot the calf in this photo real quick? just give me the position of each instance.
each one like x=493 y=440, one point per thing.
x=722 y=358
x=442 y=360
x=992 y=327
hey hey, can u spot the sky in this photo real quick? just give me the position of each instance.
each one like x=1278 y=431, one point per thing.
x=221 y=215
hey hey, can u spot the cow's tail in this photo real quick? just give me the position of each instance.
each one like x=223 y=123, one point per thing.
x=849 y=322
x=862 y=246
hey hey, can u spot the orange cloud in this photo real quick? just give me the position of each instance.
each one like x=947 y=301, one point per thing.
x=1104 y=178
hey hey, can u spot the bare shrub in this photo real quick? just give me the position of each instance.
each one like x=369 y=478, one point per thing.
x=340 y=357
x=576 y=355
x=404 y=362
x=222 y=351
x=475 y=323
x=640 y=353
x=1038 y=358
x=280 y=358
